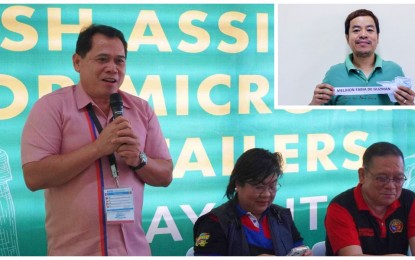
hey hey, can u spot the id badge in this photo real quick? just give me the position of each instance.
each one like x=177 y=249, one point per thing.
x=119 y=205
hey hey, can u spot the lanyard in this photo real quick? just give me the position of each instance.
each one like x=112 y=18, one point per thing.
x=111 y=157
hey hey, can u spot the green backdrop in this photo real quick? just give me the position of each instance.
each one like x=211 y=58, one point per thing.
x=208 y=71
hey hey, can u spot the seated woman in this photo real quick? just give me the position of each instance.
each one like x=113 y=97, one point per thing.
x=249 y=224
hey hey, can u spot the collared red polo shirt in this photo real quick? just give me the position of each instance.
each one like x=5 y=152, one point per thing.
x=345 y=230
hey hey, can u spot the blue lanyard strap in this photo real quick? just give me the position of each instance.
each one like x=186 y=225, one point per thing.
x=111 y=157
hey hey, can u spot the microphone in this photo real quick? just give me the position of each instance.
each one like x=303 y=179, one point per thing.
x=116 y=105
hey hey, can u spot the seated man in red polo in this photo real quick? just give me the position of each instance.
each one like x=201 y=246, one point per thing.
x=377 y=217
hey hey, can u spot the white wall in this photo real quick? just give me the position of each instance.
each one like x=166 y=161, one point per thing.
x=311 y=39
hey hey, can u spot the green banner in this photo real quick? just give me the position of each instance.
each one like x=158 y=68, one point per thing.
x=198 y=65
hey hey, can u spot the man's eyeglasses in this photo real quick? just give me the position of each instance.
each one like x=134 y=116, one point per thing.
x=261 y=188
x=383 y=180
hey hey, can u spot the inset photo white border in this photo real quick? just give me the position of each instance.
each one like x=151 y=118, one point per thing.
x=311 y=39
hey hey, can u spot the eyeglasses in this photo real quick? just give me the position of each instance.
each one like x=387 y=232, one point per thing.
x=261 y=188
x=383 y=180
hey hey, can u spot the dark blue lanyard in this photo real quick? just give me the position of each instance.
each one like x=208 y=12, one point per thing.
x=111 y=157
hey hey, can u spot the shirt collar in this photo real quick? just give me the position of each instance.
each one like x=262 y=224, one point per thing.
x=82 y=99
x=241 y=212
x=361 y=204
x=350 y=66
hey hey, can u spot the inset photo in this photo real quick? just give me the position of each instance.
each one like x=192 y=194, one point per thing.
x=346 y=54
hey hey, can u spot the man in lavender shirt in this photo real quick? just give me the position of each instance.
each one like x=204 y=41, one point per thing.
x=64 y=152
